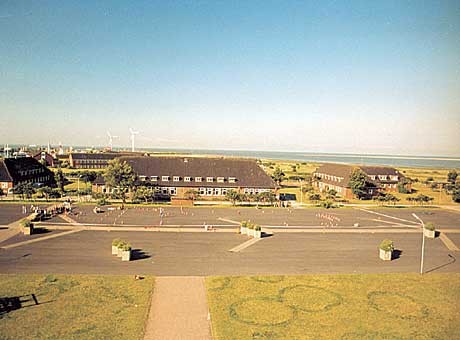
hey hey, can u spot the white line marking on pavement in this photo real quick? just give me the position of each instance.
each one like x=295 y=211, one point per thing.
x=387 y=216
x=448 y=242
x=244 y=245
x=14 y=245
x=229 y=221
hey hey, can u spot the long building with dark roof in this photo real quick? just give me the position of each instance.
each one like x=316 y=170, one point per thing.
x=97 y=160
x=14 y=171
x=210 y=177
x=337 y=177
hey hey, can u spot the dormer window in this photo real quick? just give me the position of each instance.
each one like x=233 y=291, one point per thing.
x=220 y=179
x=176 y=179
x=154 y=178
x=165 y=178
x=197 y=179
x=209 y=179
x=187 y=179
x=231 y=179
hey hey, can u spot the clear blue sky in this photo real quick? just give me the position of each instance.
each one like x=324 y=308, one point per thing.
x=328 y=76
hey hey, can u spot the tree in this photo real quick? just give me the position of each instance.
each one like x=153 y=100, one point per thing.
x=120 y=175
x=60 y=180
x=315 y=197
x=45 y=192
x=456 y=194
x=24 y=190
x=403 y=186
x=192 y=194
x=358 y=183
x=1 y=192
x=233 y=196
x=278 y=175
x=331 y=194
x=452 y=176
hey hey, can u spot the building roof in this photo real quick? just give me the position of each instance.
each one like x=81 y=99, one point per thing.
x=246 y=172
x=4 y=173
x=380 y=170
x=18 y=169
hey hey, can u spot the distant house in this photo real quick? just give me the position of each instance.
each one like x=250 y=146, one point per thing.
x=14 y=171
x=98 y=160
x=212 y=178
x=48 y=159
x=337 y=177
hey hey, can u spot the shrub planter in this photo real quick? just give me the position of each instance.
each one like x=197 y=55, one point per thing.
x=27 y=227
x=429 y=230
x=386 y=250
x=244 y=230
x=115 y=244
x=257 y=232
x=251 y=230
x=120 y=246
x=126 y=252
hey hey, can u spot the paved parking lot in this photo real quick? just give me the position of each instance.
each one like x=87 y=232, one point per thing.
x=342 y=217
x=173 y=253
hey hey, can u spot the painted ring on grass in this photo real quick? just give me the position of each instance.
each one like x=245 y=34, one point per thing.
x=397 y=304
x=219 y=283
x=268 y=279
x=369 y=335
x=310 y=299
x=262 y=311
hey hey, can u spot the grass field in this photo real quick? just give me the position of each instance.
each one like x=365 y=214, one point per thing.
x=74 y=306
x=385 y=306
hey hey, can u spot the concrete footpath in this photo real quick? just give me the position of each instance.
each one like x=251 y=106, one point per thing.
x=178 y=310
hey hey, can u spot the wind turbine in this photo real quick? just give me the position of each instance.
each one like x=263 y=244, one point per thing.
x=133 y=133
x=111 y=138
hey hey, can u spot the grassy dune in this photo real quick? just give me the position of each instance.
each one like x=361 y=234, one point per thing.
x=396 y=306
x=73 y=306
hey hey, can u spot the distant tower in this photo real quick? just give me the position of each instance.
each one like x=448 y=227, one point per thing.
x=48 y=149
x=111 y=138
x=61 y=149
x=133 y=133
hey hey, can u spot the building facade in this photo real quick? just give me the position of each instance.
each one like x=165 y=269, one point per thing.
x=337 y=177
x=46 y=157
x=211 y=178
x=15 y=171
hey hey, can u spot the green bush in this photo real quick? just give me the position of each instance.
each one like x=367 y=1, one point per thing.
x=26 y=223
x=244 y=224
x=387 y=245
x=250 y=226
x=102 y=201
x=116 y=242
x=125 y=246
x=257 y=227
x=430 y=226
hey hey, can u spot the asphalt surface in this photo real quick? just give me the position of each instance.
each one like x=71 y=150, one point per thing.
x=202 y=254
x=10 y=213
x=197 y=217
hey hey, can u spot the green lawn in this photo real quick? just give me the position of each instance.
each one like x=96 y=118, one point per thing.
x=374 y=306
x=75 y=306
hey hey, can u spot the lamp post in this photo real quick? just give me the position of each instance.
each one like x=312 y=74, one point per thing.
x=423 y=241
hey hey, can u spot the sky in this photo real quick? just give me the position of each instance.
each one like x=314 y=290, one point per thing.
x=380 y=77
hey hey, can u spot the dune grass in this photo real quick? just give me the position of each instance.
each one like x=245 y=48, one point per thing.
x=73 y=306
x=374 y=306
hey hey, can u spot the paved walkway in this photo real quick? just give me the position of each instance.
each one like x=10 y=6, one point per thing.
x=178 y=310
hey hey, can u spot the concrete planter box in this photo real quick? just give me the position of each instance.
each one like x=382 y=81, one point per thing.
x=28 y=231
x=258 y=233
x=251 y=232
x=114 y=250
x=119 y=252
x=244 y=230
x=429 y=233
x=126 y=255
x=385 y=255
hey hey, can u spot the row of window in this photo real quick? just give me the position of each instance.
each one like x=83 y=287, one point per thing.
x=35 y=180
x=330 y=177
x=31 y=171
x=187 y=179
x=384 y=177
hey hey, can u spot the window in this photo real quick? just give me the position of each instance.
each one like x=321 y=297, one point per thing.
x=209 y=179
x=187 y=179
x=209 y=191
x=202 y=191
x=165 y=178
x=220 y=179
x=176 y=179
x=197 y=179
x=142 y=178
x=231 y=179
x=154 y=178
